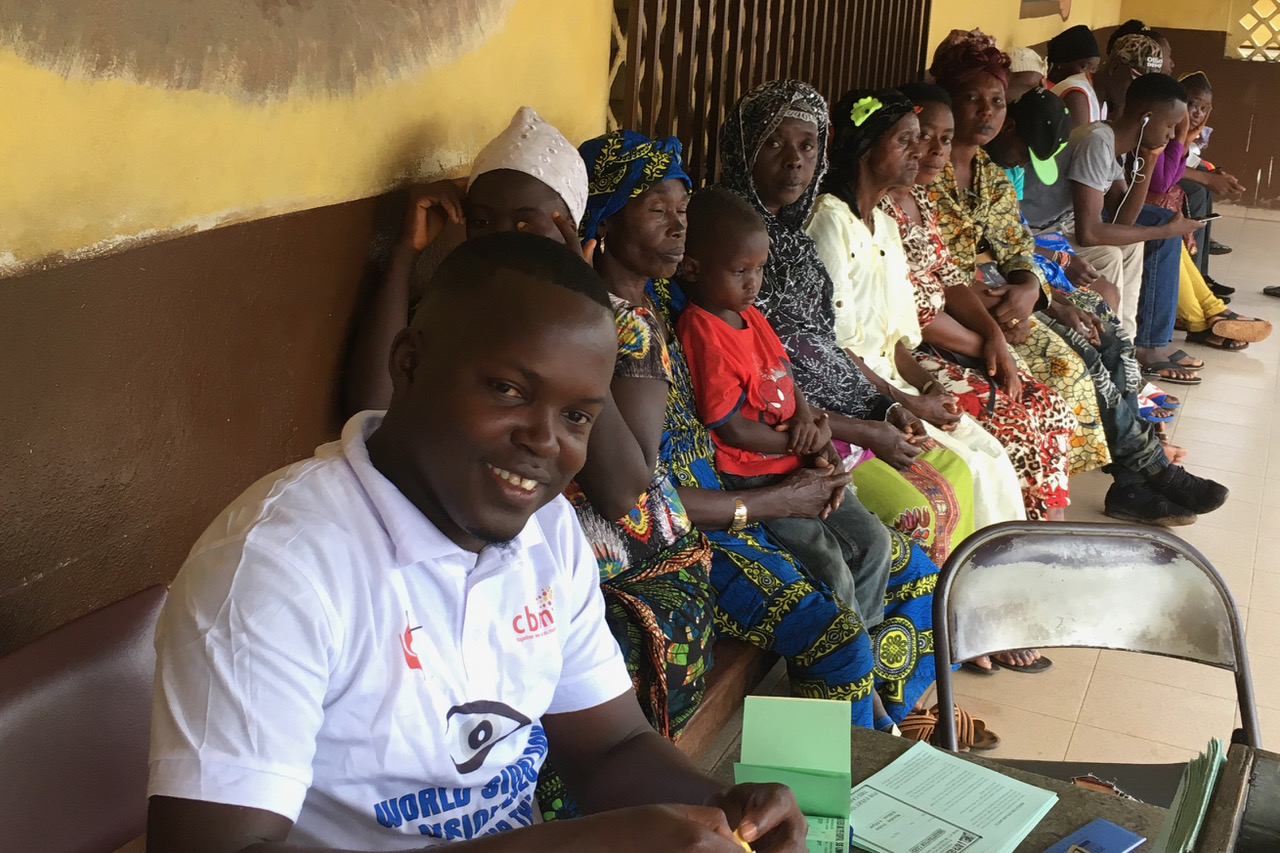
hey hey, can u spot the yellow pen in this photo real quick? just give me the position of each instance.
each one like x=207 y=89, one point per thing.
x=742 y=842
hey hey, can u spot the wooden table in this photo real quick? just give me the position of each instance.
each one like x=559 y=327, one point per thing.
x=872 y=751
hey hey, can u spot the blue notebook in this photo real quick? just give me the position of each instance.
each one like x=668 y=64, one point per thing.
x=1099 y=836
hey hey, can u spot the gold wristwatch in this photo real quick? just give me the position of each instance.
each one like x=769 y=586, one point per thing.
x=739 y=516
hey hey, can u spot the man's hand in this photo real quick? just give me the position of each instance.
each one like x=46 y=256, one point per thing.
x=766 y=816
x=939 y=407
x=807 y=433
x=1220 y=184
x=809 y=492
x=1001 y=367
x=430 y=206
x=1080 y=272
x=1179 y=226
x=643 y=829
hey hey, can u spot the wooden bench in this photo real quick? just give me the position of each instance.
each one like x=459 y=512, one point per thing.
x=737 y=669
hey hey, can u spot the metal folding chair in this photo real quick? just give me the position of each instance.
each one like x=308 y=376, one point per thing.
x=1110 y=586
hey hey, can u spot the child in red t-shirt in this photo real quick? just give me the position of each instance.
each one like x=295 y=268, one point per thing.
x=759 y=421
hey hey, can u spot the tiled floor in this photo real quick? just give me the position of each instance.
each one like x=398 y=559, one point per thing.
x=1119 y=707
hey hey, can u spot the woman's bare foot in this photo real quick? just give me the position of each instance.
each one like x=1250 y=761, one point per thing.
x=1174 y=453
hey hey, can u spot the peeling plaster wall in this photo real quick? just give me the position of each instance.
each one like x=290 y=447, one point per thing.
x=151 y=380
x=121 y=129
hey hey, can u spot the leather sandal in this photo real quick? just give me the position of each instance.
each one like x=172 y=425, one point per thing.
x=971 y=732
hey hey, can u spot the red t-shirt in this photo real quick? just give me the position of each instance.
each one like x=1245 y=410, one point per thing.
x=739 y=372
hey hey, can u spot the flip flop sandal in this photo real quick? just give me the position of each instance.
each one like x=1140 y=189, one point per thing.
x=1228 y=344
x=971 y=732
x=1159 y=397
x=1150 y=413
x=1180 y=355
x=1152 y=371
x=970 y=666
x=1041 y=664
x=1230 y=325
x=1271 y=290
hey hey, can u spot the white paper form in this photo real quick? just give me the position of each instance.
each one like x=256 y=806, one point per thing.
x=929 y=801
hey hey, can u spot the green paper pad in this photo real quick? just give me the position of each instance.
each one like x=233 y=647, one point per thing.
x=804 y=744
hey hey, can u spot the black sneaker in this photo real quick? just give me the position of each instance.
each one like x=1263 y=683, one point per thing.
x=1197 y=494
x=1143 y=504
x=1216 y=248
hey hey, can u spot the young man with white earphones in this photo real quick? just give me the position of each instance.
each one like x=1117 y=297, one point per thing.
x=1100 y=202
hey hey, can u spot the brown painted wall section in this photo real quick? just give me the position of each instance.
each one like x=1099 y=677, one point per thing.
x=145 y=390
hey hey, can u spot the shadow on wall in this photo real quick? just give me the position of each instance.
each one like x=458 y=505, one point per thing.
x=256 y=50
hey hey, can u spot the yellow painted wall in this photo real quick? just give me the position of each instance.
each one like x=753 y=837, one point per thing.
x=1210 y=15
x=91 y=164
x=999 y=18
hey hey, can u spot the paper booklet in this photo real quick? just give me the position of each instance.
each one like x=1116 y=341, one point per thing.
x=930 y=801
x=804 y=744
x=1182 y=822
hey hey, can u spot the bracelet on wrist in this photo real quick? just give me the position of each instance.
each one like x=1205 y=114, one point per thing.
x=924 y=389
x=739 y=516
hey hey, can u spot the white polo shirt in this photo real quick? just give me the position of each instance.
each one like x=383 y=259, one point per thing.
x=327 y=654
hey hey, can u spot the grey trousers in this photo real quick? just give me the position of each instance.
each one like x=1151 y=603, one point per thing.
x=848 y=551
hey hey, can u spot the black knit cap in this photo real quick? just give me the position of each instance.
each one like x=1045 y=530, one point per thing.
x=1072 y=44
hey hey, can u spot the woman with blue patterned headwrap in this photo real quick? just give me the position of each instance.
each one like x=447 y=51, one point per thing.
x=762 y=595
x=653 y=563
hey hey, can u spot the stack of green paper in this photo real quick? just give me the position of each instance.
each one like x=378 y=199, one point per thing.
x=804 y=744
x=1182 y=823
x=930 y=801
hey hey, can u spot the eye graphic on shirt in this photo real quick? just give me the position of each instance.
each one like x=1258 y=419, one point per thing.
x=476 y=727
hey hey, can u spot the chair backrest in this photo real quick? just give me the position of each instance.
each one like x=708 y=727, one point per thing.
x=1113 y=586
x=75 y=721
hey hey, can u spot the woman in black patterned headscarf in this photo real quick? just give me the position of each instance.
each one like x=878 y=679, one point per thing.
x=773 y=149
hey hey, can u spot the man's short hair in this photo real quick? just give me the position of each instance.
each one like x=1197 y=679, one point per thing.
x=1155 y=88
x=474 y=264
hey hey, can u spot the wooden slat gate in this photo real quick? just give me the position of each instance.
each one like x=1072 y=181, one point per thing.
x=680 y=64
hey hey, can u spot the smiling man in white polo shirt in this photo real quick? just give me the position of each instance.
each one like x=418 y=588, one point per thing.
x=377 y=647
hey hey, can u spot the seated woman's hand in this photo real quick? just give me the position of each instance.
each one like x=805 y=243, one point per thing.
x=1016 y=305
x=939 y=407
x=430 y=206
x=1080 y=272
x=1001 y=367
x=766 y=816
x=890 y=442
x=806 y=434
x=1087 y=325
x=809 y=492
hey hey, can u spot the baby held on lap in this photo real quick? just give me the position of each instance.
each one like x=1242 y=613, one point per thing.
x=762 y=427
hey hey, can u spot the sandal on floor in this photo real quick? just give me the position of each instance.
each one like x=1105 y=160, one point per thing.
x=1159 y=397
x=1152 y=371
x=1156 y=414
x=1271 y=290
x=1178 y=356
x=1230 y=325
x=1206 y=339
x=1041 y=664
x=970 y=666
x=971 y=732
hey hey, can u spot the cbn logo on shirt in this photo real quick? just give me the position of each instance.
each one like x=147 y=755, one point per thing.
x=538 y=621
x=406 y=645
